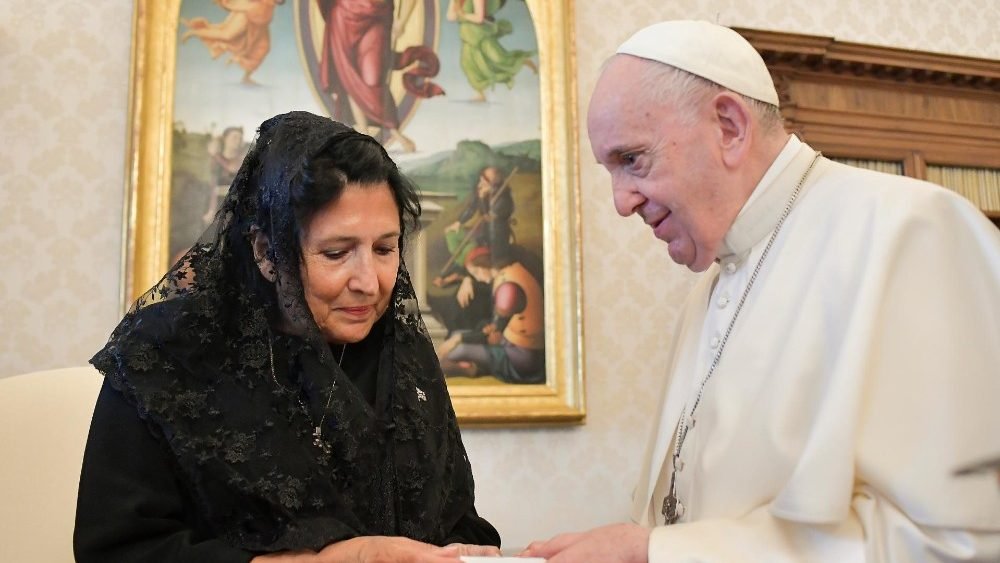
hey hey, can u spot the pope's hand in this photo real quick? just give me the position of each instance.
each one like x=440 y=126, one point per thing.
x=617 y=543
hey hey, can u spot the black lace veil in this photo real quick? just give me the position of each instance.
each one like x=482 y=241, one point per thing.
x=230 y=369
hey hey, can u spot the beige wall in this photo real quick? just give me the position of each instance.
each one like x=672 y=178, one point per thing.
x=63 y=92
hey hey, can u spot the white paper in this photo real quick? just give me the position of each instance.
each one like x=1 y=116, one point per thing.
x=479 y=559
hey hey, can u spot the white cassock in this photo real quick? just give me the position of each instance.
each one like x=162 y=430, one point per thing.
x=863 y=369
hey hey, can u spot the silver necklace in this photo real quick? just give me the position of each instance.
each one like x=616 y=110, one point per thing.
x=673 y=509
x=317 y=428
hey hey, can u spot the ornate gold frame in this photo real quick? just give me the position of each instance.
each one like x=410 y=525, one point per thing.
x=146 y=224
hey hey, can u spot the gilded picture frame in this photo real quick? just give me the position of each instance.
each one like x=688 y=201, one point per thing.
x=171 y=124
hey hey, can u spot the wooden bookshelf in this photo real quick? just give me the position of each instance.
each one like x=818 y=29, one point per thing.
x=924 y=110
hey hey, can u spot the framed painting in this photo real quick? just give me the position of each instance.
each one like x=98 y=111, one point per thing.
x=474 y=99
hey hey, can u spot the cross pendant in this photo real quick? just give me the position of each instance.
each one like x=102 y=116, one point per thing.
x=318 y=440
x=673 y=509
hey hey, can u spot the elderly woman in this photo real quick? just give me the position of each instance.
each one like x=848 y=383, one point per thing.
x=276 y=396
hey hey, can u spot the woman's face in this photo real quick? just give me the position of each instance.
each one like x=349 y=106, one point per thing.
x=350 y=256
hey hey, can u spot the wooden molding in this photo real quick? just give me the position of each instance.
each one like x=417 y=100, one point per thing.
x=829 y=56
x=861 y=101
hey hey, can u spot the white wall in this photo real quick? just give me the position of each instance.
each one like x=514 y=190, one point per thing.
x=64 y=75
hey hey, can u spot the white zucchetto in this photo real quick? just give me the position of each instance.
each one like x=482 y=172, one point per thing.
x=713 y=52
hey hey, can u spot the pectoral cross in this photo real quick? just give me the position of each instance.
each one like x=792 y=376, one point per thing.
x=673 y=508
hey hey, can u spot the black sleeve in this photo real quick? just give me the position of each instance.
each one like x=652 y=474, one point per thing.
x=472 y=529
x=468 y=527
x=130 y=505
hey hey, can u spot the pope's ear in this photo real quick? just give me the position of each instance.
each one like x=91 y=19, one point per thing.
x=735 y=122
x=261 y=244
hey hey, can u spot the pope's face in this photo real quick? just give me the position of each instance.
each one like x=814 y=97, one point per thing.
x=664 y=166
x=350 y=257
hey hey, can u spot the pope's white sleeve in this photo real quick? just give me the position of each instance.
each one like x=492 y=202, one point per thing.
x=890 y=536
x=874 y=532
x=757 y=537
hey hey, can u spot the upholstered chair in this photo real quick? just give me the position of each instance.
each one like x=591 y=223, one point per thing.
x=44 y=420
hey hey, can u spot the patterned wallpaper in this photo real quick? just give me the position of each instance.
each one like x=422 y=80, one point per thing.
x=63 y=96
x=63 y=93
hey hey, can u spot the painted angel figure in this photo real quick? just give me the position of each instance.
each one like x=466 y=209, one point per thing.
x=244 y=33
x=484 y=60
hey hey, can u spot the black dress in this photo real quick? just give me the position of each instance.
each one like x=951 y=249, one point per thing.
x=202 y=444
x=136 y=503
x=132 y=506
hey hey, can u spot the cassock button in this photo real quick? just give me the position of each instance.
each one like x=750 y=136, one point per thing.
x=730 y=267
x=723 y=301
x=714 y=342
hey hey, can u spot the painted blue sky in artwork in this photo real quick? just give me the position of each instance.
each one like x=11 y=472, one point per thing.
x=503 y=118
x=209 y=95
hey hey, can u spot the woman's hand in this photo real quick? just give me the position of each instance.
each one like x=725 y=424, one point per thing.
x=286 y=557
x=381 y=549
x=473 y=550
x=385 y=549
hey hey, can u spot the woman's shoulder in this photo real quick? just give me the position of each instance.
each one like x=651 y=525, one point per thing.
x=157 y=338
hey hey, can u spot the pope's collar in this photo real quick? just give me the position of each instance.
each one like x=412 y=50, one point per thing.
x=767 y=201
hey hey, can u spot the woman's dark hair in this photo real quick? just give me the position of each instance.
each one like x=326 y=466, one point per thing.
x=299 y=163
x=351 y=158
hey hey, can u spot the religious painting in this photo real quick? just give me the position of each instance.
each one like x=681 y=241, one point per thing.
x=473 y=100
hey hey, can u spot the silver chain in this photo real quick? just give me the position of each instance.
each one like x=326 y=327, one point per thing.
x=673 y=509
x=317 y=428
